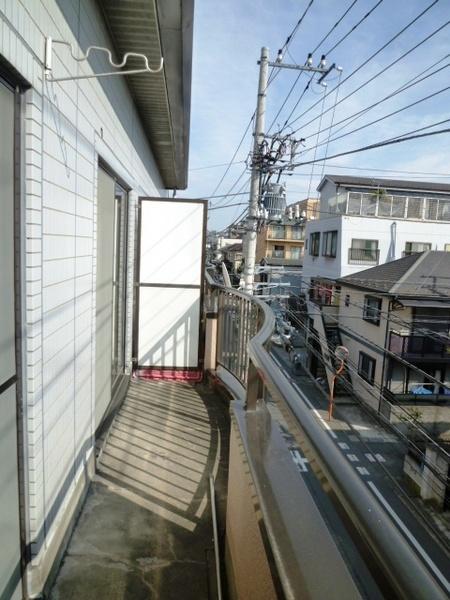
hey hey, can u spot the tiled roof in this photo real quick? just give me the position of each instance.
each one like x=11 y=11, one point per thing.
x=426 y=274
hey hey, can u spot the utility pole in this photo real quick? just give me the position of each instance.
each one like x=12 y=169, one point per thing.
x=250 y=236
x=256 y=164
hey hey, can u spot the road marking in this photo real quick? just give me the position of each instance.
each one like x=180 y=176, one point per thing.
x=370 y=458
x=362 y=471
x=380 y=458
x=300 y=461
x=314 y=410
x=325 y=424
x=343 y=446
x=409 y=535
x=305 y=399
x=352 y=457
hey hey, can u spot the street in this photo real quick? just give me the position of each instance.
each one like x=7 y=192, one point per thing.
x=377 y=457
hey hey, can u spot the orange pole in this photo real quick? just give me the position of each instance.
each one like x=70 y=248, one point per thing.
x=331 y=399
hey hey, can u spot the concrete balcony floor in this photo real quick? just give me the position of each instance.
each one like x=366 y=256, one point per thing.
x=145 y=529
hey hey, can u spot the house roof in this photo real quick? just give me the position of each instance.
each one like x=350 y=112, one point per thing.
x=422 y=275
x=233 y=248
x=398 y=184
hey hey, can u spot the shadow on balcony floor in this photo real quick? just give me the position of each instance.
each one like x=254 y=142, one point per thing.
x=145 y=529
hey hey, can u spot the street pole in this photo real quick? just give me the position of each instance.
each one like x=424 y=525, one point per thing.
x=250 y=236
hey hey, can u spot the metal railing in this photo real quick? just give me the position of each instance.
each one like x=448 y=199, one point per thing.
x=363 y=256
x=414 y=346
x=245 y=327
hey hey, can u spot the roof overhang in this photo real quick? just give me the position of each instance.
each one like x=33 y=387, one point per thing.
x=159 y=28
x=425 y=302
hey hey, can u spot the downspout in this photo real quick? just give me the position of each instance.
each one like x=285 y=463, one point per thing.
x=383 y=369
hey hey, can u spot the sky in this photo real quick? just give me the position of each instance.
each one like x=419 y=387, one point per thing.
x=228 y=37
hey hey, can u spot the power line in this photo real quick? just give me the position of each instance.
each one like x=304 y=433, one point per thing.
x=237 y=162
x=404 y=138
x=410 y=83
x=341 y=18
x=382 y=118
x=372 y=56
x=353 y=28
x=306 y=88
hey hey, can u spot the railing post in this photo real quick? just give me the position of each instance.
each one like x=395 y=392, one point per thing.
x=254 y=387
x=211 y=317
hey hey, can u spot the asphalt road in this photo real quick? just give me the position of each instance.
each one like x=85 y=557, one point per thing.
x=377 y=457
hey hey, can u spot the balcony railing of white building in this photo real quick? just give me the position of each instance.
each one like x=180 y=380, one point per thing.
x=303 y=553
x=379 y=204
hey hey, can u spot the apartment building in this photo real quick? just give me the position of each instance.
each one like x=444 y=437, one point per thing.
x=364 y=222
x=395 y=321
x=281 y=242
x=78 y=152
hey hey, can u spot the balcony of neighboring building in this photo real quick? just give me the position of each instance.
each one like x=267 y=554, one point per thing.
x=414 y=346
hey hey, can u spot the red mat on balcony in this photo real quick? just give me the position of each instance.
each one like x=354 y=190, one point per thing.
x=154 y=373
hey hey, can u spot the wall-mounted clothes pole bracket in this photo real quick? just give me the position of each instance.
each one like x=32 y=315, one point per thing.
x=49 y=42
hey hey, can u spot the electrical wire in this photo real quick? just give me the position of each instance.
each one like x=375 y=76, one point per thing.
x=382 y=118
x=406 y=137
x=407 y=85
x=372 y=56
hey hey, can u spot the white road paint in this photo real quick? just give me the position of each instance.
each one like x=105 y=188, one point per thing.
x=370 y=457
x=352 y=457
x=362 y=471
x=380 y=458
x=442 y=579
x=307 y=401
x=300 y=461
x=343 y=446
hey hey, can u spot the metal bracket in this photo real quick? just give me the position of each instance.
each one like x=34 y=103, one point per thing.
x=49 y=54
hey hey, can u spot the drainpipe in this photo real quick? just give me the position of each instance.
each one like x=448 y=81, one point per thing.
x=384 y=355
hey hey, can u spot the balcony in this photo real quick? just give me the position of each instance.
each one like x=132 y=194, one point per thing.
x=363 y=256
x=418 y=347
x=300 y=539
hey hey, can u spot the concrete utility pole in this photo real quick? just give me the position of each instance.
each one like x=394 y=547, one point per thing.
x=250 y=236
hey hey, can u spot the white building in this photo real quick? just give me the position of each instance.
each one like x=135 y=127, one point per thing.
x=364 y=222
x=75 y=156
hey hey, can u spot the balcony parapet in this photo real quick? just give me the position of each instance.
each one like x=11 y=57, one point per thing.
x=245 y=327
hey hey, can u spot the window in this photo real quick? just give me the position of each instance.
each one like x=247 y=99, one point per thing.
x=372 y=308
x=354 y=203
x=314 y=243
x=347 y=300
x=369 y=204
x=329 y=243
x=398 y=206
x=278 y=252
x=415 y=247
x=415 y=208
x=431 y=209
x=295 y=252
x=296 y=233
x=384 y=205
x=366 y=367
x=363 y=251
x=277 y=232
x=443 y=213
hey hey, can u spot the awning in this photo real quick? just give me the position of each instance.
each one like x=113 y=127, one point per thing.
x=425 y=303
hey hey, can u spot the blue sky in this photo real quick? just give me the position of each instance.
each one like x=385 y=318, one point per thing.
x=227 y=40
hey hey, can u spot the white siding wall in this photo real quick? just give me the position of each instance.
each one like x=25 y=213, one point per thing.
x=392 y=236
x=66 y=127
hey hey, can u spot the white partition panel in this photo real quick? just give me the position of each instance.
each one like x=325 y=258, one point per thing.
x=170 y=275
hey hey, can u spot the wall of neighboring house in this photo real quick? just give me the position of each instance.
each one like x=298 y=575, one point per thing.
x=66 y=127
x=361 y=336
x=391 y=235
